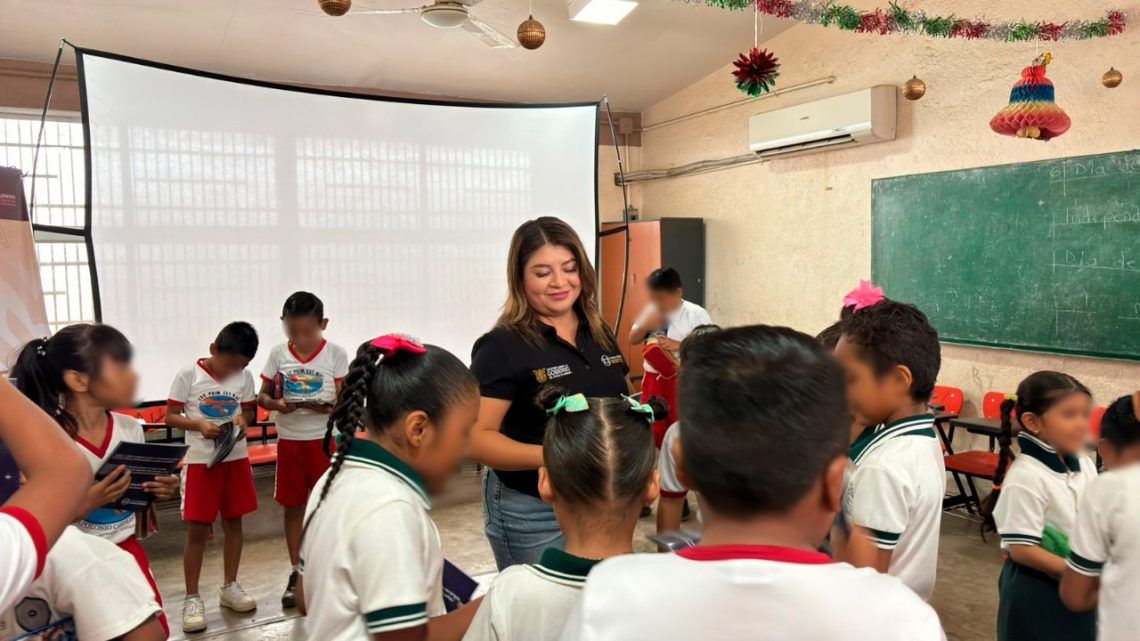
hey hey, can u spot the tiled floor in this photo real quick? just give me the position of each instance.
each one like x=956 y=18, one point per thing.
x=965 y=596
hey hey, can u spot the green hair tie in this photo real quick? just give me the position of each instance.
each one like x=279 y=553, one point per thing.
x=641 y=408
x=575 y=403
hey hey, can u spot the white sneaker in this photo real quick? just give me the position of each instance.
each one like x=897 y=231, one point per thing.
x=235 y=598
x=193 y=614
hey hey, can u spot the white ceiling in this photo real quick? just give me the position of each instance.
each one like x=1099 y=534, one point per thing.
x=658 y=49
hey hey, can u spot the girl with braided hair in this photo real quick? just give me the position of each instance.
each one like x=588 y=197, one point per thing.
x=371 y=565
x=1033 y=506
x=598 y=473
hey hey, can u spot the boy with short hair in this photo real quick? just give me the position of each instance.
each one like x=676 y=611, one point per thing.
x=1103 y=568
x=898 y=476
x=763 y=433
x=668 y=319
x=300 y=382
x=208 y=399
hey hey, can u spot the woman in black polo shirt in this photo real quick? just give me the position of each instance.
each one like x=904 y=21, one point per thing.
x=551 y=330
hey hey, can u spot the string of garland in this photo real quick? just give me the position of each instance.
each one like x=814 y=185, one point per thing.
x=896 y=19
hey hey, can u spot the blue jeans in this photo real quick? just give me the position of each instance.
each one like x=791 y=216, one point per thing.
x=518 y=526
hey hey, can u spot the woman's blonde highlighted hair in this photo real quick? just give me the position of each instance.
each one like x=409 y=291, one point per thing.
x=517 y=313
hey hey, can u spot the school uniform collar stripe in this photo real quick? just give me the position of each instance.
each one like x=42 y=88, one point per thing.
x=1084 y=566
x=1048 y=455
x=564 y=568
x=364 y=452
x=755 y=553
x=920 y=425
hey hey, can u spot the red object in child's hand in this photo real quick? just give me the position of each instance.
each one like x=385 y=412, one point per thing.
x=660 y=358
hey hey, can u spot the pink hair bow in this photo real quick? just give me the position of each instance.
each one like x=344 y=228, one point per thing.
x=865 y=295
x=389 y=344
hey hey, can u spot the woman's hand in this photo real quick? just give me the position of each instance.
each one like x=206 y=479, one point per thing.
x=107 y=491
x=162 y=487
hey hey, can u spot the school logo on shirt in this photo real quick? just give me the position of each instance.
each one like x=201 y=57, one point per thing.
x=303 y=382
x=218 y=404
x=616 y=359
x=544 y=374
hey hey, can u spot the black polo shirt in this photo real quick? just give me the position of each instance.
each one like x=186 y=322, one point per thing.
x=511 y=369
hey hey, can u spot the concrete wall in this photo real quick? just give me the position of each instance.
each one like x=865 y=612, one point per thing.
x=786 y=239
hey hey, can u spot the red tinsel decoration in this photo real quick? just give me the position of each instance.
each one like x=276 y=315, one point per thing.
x=970 y=29
x=878 y=22
x=756 y=71
x=778 y=8
x=1050 y=30
x=1115 y=23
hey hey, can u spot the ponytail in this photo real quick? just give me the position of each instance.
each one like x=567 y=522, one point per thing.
x=1005 y=454
x=42 y=363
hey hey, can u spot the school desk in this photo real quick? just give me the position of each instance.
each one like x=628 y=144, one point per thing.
x=990 y=427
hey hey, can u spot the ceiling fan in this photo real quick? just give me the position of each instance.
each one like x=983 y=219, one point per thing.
x=446 y=14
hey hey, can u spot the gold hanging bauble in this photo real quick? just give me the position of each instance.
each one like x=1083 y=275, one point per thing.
x=914 y=89
x=1111 y=78
x=531 y=33
x=335 y=7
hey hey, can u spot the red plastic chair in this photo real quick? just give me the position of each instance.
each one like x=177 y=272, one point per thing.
x=1094 y=422
x=991 y=404
x=262 y=454
x=950 y=398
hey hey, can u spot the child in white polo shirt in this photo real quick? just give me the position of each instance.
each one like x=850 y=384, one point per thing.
x=370 y=554
x=300 y=382
x=90 y=590
x=1034 y=506
x=1103 y=570
x=764 y=428
x=598 y=473
x=204 y=398
x=898 y=476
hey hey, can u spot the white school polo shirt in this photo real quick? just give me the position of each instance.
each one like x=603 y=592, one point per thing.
x=678 y=323
x=23 y=551
x=1040 y=492
x=89 y=587
x=203 y=397
x=895 y=491
x=745 y=593
x=312 y=379
x=103 y=522
x=531 y=602
x=371 y=556
x=1106 y=544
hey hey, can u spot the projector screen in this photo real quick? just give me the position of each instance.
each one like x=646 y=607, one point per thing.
x=211 y=199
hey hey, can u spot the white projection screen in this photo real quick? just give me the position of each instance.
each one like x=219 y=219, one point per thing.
x=211 y=199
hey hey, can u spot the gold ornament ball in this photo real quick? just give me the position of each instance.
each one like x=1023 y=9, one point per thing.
x=531 y=33
x=914 y=89
x=335 y=7
x=1111 y=78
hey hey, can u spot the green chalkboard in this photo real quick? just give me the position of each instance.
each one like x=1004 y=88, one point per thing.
x=1041 y=256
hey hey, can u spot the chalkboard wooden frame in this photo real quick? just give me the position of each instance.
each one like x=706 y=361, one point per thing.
x=1001 y=209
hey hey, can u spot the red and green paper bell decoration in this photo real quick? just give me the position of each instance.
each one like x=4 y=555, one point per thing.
x=1031 y=112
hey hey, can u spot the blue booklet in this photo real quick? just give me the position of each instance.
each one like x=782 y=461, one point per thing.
x=145 y=461
x=9 y=475
x=457 y=586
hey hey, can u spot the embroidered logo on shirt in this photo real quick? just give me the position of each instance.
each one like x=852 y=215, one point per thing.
x=544 y=374
x=217 y=404
x=616 y=359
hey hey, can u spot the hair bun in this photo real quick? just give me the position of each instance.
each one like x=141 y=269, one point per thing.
x=549 y=395
x=659 y=406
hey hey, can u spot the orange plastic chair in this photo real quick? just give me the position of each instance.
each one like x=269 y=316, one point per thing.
x=991 y=404
x=1094 y=422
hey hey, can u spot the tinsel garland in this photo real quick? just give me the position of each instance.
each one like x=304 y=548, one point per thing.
x=896 y=19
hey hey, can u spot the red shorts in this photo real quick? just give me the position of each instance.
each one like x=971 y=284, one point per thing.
x=653 y=385
x=135 y=549
x=299 y=465
x=226 y=488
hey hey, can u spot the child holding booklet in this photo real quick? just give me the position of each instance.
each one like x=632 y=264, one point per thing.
x=214 y=393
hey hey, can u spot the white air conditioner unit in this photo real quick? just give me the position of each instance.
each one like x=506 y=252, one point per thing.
x=860 y=118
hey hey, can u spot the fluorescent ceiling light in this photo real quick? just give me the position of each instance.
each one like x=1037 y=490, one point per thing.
x=600 y=11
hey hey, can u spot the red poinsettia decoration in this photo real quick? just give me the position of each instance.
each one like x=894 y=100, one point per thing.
x=756 y=71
